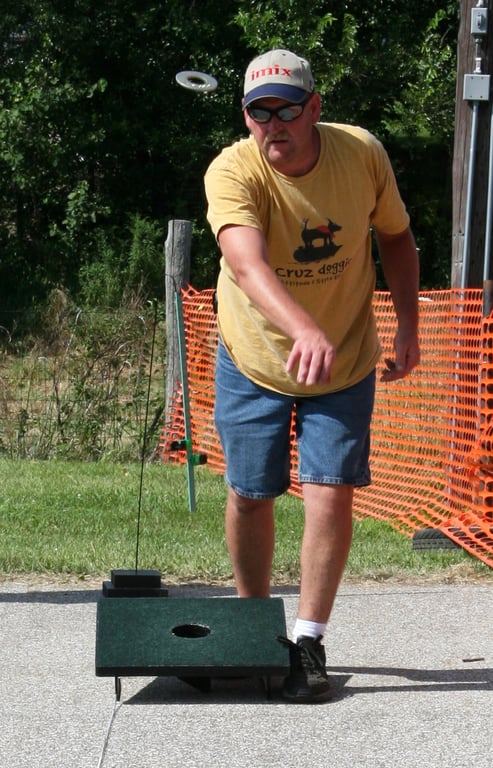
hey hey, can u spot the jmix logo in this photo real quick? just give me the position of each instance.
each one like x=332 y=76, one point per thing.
x=270 y=71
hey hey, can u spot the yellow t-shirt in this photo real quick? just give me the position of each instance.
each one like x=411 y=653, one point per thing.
x=317 y=229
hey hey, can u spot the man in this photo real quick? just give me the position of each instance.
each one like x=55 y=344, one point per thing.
x=292 y=208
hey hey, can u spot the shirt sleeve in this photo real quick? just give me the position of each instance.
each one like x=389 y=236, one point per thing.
x=389 y=215
x=231 y=194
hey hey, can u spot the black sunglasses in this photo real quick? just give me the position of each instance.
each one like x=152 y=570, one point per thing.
x=286 y=114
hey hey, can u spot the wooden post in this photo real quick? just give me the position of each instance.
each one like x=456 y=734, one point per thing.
x=466 y=51
x=177 y=275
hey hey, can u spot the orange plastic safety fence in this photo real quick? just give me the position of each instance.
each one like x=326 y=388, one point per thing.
x=432 y=433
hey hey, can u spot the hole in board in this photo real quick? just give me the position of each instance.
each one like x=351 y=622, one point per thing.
x=191 y=630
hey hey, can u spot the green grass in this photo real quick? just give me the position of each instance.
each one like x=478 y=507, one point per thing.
x=80 y=519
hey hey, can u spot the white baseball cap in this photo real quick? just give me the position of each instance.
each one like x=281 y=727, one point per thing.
x=279 y=74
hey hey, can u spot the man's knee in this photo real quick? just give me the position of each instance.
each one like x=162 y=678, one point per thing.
x=247 y=505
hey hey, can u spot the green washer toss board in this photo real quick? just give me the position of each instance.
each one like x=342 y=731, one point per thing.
x=152 y=636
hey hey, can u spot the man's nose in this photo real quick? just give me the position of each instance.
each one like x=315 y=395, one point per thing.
x=276 y=122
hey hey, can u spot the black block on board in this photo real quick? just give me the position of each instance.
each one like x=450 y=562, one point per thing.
x=134 y=583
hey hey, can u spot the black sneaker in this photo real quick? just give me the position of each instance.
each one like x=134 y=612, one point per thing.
x=307 y=681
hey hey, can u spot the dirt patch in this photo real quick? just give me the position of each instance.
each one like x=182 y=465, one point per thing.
x=458 y=573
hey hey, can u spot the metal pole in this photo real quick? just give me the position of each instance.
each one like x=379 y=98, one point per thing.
x=470 y=183
x=185 y=399
x=489 y=208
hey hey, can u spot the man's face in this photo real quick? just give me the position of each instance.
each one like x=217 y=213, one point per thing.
x=290 y=147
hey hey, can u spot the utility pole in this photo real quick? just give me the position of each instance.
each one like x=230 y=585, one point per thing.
x=472 y=176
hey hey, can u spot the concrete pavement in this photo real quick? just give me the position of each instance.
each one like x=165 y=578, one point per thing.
x=412 y=669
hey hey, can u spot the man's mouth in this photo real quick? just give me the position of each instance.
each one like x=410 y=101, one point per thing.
x=276 y=139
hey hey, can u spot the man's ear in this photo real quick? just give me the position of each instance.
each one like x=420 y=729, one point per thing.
x=247 y=119
x=315 y=106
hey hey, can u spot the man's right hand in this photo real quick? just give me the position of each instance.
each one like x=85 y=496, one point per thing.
x=312 y=357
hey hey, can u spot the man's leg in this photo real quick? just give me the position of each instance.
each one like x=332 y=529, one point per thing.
x=325 y=547
x=334 y=444
x=250 y=540
x=254 y=427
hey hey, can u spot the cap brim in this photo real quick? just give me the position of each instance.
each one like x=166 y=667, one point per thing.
x=276 y=91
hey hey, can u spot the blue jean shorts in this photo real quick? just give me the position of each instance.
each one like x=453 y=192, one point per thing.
x=253 y=423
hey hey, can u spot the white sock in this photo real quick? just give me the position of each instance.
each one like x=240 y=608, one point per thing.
x=305 y=628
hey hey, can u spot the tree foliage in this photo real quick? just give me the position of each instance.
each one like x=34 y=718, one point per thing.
x=96 y=137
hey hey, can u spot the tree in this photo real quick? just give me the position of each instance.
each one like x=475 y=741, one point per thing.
x=95 y=133
x=389 y=66
x=94 y=129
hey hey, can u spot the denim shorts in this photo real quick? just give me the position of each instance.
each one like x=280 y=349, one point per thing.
x=254 y=424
